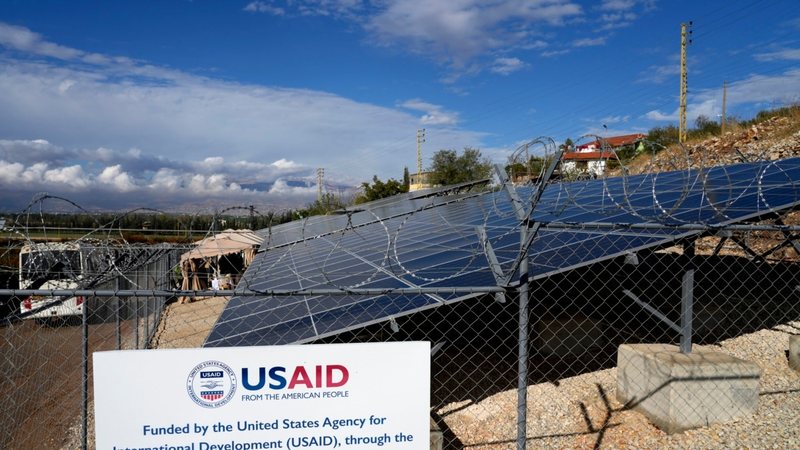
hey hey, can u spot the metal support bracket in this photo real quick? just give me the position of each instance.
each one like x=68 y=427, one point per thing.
x=533 y=227
x=689 y=247
x=436 y=347
x=789 y=239
x=494 y=264
x=753 y=255
x=516 y=202
x=687 y=301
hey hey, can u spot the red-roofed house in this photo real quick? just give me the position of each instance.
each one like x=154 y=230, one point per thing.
x=590 y=158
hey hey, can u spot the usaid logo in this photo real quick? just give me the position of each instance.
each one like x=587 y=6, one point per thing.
x=211 y=384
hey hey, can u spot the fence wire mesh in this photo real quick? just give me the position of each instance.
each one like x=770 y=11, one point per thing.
x=589 y=361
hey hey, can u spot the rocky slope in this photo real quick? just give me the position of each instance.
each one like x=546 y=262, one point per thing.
x=772 y=139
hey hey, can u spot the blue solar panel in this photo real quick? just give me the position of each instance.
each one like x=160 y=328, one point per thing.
x=433 y=242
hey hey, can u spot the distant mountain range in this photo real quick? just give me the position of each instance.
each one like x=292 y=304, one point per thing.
x=265 y=186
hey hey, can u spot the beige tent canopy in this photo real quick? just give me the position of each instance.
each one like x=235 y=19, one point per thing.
x=223 y=255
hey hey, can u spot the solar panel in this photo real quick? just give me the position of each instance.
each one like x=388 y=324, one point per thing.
x=287 y=233
x=413 y=243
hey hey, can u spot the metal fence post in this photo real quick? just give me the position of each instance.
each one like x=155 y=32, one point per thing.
x=119 y=321
x=146 y=306
x=522 y=368
x=687 y=300
x=85 y=376
x=136 y=323
x=146 y=321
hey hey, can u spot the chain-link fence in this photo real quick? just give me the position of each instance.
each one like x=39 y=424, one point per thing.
x=46 y=358
x=594 y=313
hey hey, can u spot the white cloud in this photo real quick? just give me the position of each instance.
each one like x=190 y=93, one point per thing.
x=213 y=161
x=285 y=164
x=165 y=181
x=281 y=186
x=340 y=9
x=115 y=177
x=617 y=5
x=65 y=85
x=151 y=120
x=434 y=114
x=456 y=32
x=72 y=176
x=113 y=131
x=39 y=176
x=616 y=20
x=790 y=54
x=22 y=39
x=781 y=89
x=29 y=151
x=262 y=7
x=589 y=42
x=466 y=36
x=194 y=118
x=10 y=172
x=505 y=66
x=615 y=119
x=660 y=74
x=553 y=53
x=534 y=45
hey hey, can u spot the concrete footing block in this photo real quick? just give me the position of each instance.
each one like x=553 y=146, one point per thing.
x=437 y=437
x=677 y=391
x=794 y=352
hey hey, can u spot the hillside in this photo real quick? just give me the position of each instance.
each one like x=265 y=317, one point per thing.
x=771 y=139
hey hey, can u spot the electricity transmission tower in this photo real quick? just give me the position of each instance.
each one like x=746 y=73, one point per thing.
x=420 y=140
x=320 y=174
x=686 y=30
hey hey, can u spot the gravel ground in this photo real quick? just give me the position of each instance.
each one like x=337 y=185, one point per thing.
x=187 y=325
x=583 y=412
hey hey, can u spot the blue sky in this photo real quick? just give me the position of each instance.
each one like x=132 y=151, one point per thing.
x=208 y=104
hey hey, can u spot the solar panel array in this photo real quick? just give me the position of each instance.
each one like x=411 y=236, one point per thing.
x=433 y=242
x=290 y=232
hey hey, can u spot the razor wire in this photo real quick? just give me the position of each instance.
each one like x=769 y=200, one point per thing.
x=619 y=190
x=578 y=316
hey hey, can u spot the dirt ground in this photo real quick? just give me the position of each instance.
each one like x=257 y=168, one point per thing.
x=41 y=370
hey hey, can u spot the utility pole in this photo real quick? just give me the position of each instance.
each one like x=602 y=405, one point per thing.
x=320 y=174
x=420 y=140
x=684 y=82
x=724 y=104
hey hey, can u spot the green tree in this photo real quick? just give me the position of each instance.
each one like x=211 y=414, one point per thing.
x=663 y=136
x=516 y=169
x=704 y=127
x=406 y=179
x=324 y=205
x=568 y=145
x=537 y=164
x=450 y=168
x=378 y=189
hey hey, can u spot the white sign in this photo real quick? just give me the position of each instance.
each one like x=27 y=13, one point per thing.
x=359 y=396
